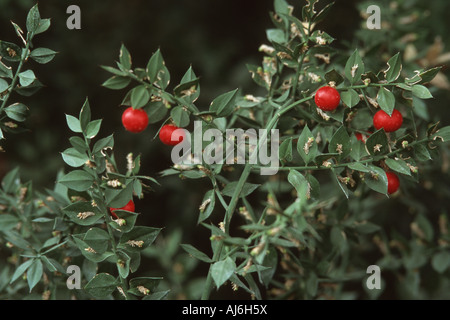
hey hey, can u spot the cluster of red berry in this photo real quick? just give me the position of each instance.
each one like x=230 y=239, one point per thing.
x=327 y=98
x=136 y=121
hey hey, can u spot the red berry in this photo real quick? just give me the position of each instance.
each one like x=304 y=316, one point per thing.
x=128 y=207
x=389 y=123
x=393 y=182
x=135 y=120
x=327 y=98
x=165 y=135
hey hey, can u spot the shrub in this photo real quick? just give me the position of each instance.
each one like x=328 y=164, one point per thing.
x=306 y=227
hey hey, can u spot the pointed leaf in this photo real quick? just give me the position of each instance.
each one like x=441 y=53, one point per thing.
x=221 y=271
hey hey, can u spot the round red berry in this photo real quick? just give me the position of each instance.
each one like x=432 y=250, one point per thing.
x=135 y=120
x=128 y=207
x=165 y=135
x=389 y=123
x=393 y=182
x=327 y=98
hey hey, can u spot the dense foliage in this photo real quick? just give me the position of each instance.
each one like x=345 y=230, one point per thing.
x=308 y=231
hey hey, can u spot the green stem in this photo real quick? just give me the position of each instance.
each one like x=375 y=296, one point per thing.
x=297 y=74
x=16 y=76
x=236 y=195
x=362 y=86
x=340 y=165
x=106 y=215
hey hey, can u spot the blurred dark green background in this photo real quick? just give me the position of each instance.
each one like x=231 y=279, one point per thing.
x=216 y=37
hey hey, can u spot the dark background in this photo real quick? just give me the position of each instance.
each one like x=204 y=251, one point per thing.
x=217 y=37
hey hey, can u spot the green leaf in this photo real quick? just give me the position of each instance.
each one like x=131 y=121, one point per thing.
x=180 y=116
x=77 y=180
x=421 y=152
x=281 y=7
x=394 y=68
x=34 y=273
x=33 y=19
x=354 y=67
x=323 y=35
x=426 y=226
x=196 y=253
x=247 y=189
x=130 y=220
x=10 y=51
x=441 y=261
x=18 y=29
x=322 y=13
x=377 y=143
x=44 y=24
x=156 y=111
x=139 y=238
x=156 y=70
x=118 y=198
x=350 y=98
x=421 y=92
x=73 y=124
x=341 y=184
x=338 y=238
x=358 y=167
x=270 y=262
x=85 y=115
x=123 y=264
x=101 y=286
x=207 y=206
x=116 y=82
x=189 y=82
x=74 y=158
x=139 y=96
x=299 y=182
x=93 y=128
x=160 y=295
x=98 y=239
x=221 y=271
x=8 y=221
x=115 y=71
x=17 y=112
x=42 y=55
x=398 y=165
x=78 y=143
x=367 y=227
x=386 y=100
x=428 y=75
x=88 y=252
x=21 y=270
x=53 y=265
x=276 y=35
x=307 y=146
x=5 y=71
x=82 y=213
x=147 y=284
x=312 y=284
x=125 y=58
x=376 y=179
x=3 y=85
x=334 y=76
x=11 y=181
x=285 y=151
x=26 y=78
x=340 y=143
x=224 y=104
x=103 y=143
